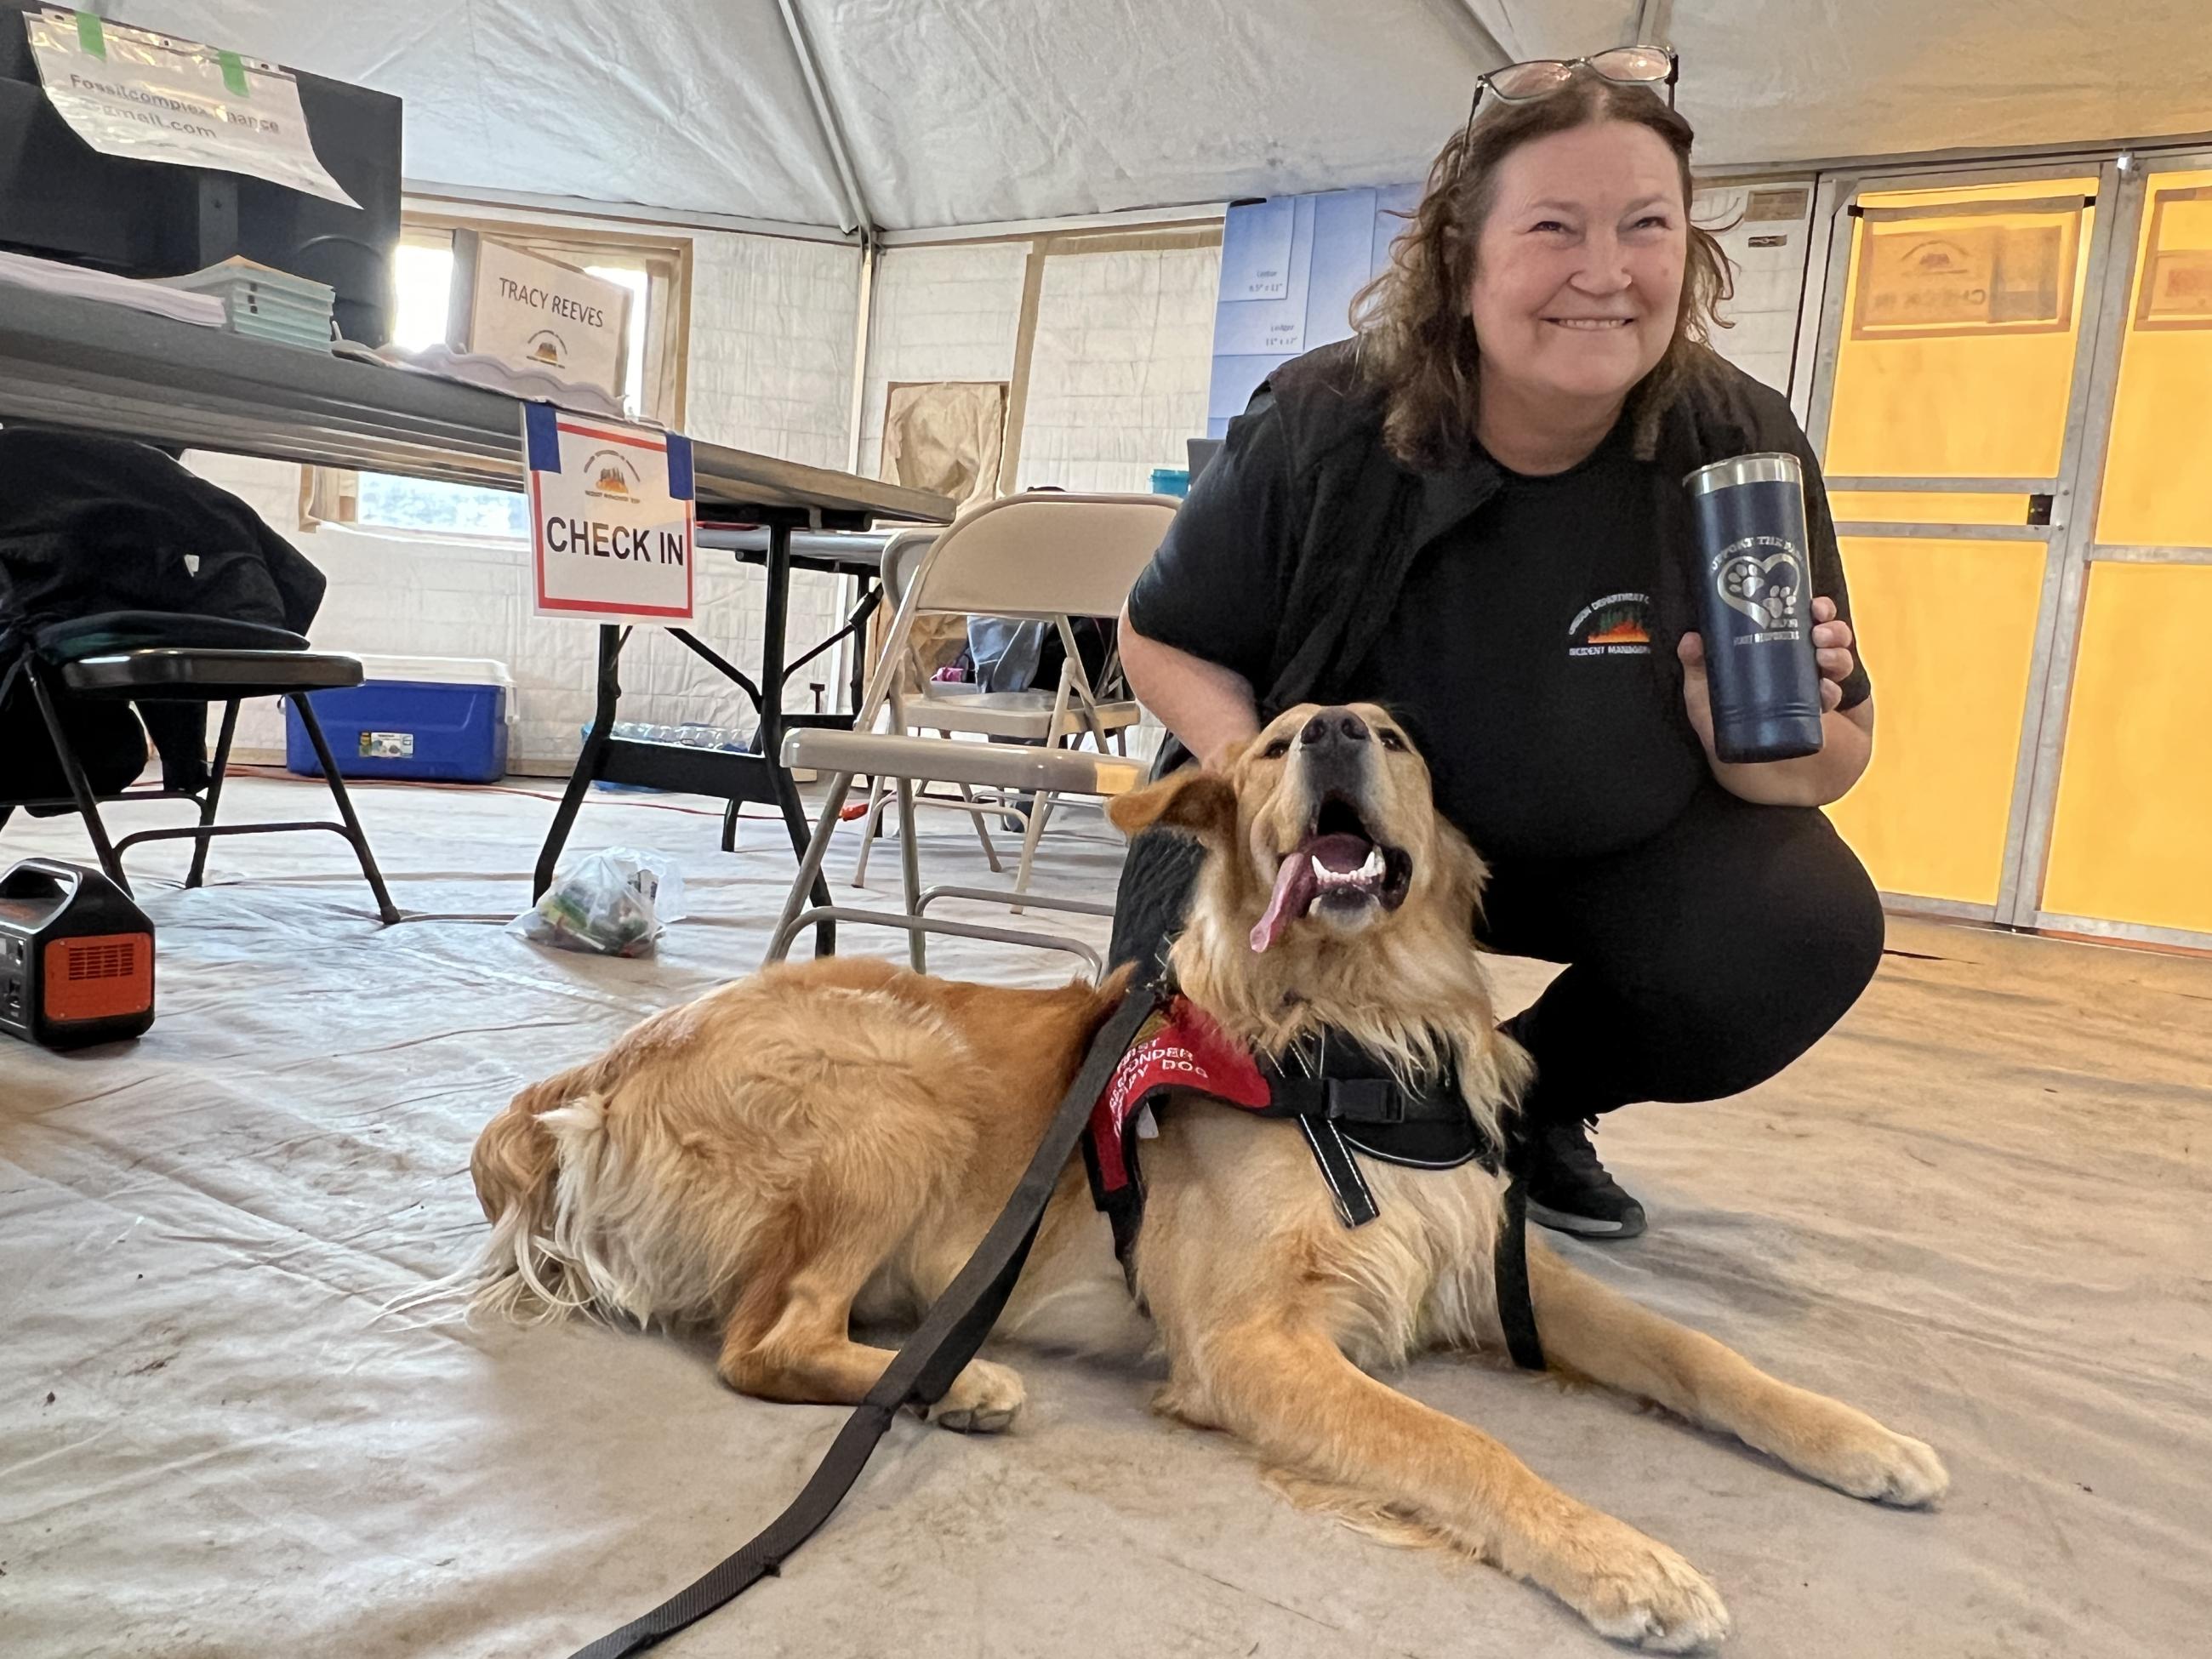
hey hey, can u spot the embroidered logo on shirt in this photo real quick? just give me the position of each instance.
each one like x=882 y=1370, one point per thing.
x=1617 y=625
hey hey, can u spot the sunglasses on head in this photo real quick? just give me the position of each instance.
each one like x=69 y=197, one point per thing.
x=1628 y=66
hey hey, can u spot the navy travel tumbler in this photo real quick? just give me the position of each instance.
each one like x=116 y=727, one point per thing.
x=1753 y=579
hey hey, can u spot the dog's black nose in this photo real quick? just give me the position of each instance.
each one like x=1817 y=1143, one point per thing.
x=1332 y=727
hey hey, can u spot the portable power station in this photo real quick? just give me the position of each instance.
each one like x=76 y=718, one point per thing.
x=76 y=957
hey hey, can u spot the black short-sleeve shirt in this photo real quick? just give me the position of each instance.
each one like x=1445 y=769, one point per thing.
x=1215 y=588
x=1519 y=651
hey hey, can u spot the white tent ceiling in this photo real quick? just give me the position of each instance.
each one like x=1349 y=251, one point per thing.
x=972 y=112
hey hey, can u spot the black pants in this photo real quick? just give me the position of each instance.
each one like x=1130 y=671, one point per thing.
x=1699 y=963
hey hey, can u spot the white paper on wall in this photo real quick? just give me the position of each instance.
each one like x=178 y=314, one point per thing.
x=151 y=97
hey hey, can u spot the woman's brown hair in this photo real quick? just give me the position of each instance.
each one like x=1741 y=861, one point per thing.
x=1417 y=344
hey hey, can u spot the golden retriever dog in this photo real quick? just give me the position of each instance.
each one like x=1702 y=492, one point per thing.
x=831 y=1140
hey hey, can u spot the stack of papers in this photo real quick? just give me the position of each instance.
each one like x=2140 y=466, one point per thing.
x=51 y=276
x=265 y=304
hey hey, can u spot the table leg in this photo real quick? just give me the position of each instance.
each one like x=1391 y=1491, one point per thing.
x=872 y=595
x=587 y=763
x=777 y=605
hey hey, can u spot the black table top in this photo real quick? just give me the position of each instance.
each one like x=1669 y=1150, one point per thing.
x=74 y=362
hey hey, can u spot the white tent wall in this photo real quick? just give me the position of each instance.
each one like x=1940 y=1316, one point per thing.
x=950 y=312
x=1769 y=280
x=1118 y=357
x=960 y=114
x=773 y=330
x=1118 y=372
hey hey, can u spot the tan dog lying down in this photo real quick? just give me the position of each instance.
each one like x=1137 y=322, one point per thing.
x=836 y=1137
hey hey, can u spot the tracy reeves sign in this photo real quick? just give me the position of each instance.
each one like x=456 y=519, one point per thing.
x=532 y=312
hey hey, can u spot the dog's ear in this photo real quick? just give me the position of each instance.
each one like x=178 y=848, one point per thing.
x=1202 y=802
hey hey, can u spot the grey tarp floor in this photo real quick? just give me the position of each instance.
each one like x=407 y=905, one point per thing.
x=1979 y=1210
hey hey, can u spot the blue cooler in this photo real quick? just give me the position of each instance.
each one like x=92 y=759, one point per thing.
x=440 y=719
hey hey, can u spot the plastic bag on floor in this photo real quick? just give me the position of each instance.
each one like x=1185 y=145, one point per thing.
x=615 y=904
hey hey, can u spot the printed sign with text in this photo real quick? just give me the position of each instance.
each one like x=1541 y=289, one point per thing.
x=611 y=518
x=151 y=97
x=531 y=311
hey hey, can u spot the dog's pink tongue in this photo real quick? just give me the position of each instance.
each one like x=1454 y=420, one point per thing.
x=1294 y=891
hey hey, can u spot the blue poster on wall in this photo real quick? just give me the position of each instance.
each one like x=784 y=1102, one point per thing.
x=1244 y=324
x=1332 y=244
x=1256 y=252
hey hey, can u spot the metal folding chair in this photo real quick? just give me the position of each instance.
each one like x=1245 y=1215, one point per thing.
x=1048 y=557
x=903 y=557
x=844 y=755
x=115 y=657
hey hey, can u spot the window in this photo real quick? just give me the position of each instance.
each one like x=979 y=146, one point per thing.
x=656 y=272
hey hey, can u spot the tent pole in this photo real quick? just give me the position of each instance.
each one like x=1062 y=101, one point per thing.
x=872 y=253
x=825 y=117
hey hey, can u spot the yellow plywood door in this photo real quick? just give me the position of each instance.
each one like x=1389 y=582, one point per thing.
x=2158 y=469
x=2131 y=831
x=1962 y=315
x=1956 y=359
x=2132 y=838
x=1949 y=629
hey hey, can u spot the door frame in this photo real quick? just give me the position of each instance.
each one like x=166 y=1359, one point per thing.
x=2057 y=654
x=2080 y=472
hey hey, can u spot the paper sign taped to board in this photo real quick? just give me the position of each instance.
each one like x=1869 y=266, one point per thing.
x=1922 y=278
x=611 y=518
x=151 y=97
x=1256 y=250
x=2177 y=279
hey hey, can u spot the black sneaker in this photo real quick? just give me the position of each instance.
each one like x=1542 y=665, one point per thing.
x=1569 y=1190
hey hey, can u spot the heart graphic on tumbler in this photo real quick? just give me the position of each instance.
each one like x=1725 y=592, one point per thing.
x=1765 y=590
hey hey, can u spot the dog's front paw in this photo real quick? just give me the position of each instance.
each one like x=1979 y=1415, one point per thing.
x=982 y=1400
x=1637 y=1591
x=1891 y=1469
x=1841 y=1446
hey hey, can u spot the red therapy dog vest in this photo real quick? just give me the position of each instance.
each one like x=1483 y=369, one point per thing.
x=1353 y=1104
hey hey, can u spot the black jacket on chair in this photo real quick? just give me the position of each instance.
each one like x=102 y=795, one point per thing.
x=92 y=525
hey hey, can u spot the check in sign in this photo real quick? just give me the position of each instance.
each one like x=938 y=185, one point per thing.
x=611 y=517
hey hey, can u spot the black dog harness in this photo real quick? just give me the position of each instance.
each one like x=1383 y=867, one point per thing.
x=1343 y=1100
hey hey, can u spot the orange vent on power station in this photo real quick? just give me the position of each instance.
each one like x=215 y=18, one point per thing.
x=98 y=976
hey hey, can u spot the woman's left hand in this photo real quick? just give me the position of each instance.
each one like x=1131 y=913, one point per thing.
x=1847 y=734
x=1831 y=650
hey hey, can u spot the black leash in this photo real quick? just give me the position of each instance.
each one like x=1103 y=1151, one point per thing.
x=950 y=1336
x=1517 y=1307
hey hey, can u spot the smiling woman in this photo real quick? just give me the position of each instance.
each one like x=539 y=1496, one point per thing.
x=1471 y=514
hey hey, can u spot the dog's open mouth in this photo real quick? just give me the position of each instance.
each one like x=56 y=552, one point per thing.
x=1339 y=868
